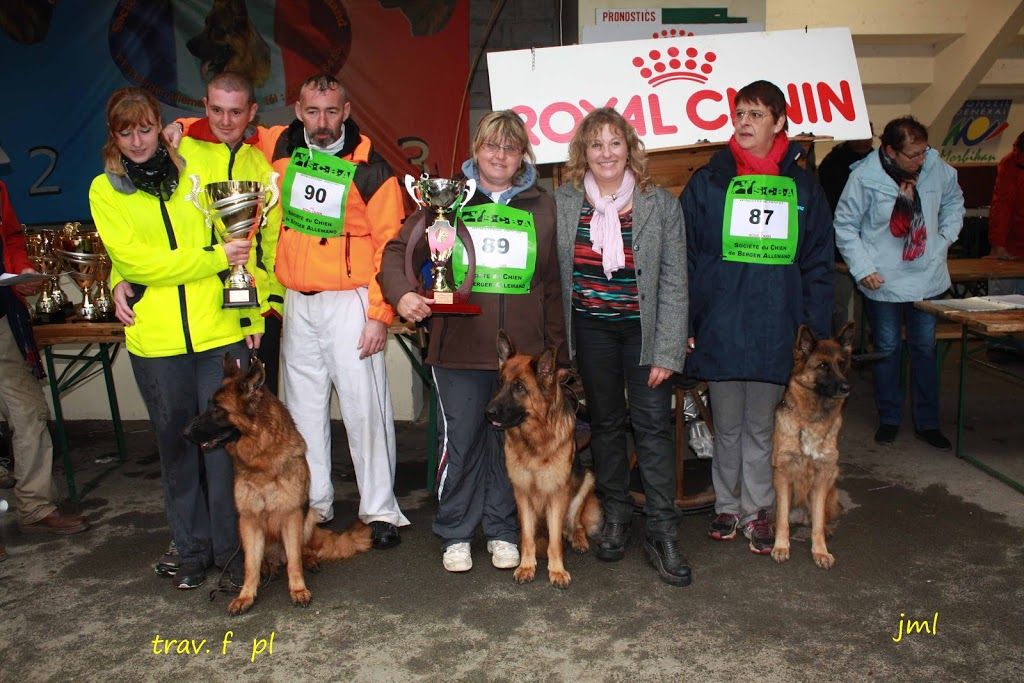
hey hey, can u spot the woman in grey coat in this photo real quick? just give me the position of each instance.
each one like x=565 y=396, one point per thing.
x=621 y=247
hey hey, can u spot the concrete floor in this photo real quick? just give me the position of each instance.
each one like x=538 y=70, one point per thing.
x=923 y=534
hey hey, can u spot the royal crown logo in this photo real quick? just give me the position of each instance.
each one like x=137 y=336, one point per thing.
x=660 y=68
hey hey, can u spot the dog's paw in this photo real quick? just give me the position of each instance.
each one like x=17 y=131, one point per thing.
x=579 y=541
x=559 y=578
x=780 y=553
x=301 y=597
x=525 y=574
x=240 y=605
x=825 y=560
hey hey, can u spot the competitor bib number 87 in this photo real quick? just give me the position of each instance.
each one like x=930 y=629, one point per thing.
x=760 y=223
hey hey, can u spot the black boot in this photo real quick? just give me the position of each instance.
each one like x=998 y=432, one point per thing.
x=611 y=547
x=666 y=557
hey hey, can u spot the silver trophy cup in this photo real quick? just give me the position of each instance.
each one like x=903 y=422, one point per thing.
x=441 y=195
x=236 y=209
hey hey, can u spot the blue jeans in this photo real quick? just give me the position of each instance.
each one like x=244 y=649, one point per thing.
x=886 y=319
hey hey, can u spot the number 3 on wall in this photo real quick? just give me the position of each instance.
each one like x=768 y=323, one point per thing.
x=38 y=188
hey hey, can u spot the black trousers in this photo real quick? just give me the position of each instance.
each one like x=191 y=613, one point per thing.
x=473 y=484
x=608 y=359
x=204 y=524
x=270 y=351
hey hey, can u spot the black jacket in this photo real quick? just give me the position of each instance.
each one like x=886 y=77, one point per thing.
x=744 y=316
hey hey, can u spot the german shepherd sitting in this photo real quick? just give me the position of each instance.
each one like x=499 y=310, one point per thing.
x=540 y=450
x=271 y=484
x=805 y=454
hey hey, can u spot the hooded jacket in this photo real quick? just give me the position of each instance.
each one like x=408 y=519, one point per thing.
x=373 y=215
x=166 y=252
x=744 y=316
x=244 y=162
x=533 y=321
x=867 y=244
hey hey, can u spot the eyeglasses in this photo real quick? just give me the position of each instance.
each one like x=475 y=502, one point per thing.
x=754 y=114
x=492 y=148
x=918 y=155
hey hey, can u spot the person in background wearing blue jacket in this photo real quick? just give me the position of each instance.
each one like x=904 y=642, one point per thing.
x=900 y=212
x=760 y=262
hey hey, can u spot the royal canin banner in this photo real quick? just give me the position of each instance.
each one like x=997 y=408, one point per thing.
x=680 y=91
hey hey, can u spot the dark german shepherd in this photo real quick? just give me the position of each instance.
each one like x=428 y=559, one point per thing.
x=271 y=484
x=805 y=454
x=540 y=450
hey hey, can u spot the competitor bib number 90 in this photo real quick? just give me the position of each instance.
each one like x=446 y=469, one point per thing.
x=505 y=243
x=760 y=223
x=314 y=191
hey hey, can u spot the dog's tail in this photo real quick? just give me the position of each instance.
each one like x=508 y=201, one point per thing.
x=328 y=545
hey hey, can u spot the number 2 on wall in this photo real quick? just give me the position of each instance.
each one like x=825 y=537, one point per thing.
x=37 y=187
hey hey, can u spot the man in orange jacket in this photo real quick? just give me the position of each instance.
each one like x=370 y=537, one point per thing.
x=342 y=204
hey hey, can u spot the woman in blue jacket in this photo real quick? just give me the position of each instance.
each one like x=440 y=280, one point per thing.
x=901 y=210
x=761 y=263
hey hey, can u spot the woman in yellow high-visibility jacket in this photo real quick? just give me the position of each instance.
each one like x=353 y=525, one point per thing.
x=177 y=332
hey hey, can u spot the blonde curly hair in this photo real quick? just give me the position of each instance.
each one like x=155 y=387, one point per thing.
x=589 y=130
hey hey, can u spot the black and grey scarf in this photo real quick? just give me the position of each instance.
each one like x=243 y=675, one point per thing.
x=157 y=176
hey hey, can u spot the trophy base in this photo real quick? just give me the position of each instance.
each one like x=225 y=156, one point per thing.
x=241 y=298
x=51 y=317
x=451 y=303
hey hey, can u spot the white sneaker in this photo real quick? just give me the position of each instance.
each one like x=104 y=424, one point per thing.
x=504 y=555
x=457 y=558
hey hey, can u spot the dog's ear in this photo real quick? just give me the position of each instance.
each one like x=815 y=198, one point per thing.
x=547 y=369
x=805 y=341
x=505 y=348
x=845 y=336
x=230 y=366
x=254 y=379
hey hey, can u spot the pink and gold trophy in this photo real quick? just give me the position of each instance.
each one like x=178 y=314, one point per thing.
x=442 y=195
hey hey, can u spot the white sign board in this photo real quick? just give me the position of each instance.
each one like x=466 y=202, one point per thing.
x=679 y=91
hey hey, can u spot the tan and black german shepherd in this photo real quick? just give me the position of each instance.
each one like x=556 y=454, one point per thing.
x=271 y=485
x=553 y=497
x=805 y=454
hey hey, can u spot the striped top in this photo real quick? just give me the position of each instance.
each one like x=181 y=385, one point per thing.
x=593 y=294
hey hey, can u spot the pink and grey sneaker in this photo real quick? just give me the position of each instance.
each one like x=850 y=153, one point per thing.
x=723 y=526
x=760 y=533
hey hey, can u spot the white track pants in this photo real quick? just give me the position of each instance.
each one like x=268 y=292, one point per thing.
x=318 y=347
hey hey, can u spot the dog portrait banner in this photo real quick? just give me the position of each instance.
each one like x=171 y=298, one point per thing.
x=679 y=91
x=72 y=54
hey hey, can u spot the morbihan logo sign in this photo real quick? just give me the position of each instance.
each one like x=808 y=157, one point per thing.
x=678 y=92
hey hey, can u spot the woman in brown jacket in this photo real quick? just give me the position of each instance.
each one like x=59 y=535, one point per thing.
x=524 y=300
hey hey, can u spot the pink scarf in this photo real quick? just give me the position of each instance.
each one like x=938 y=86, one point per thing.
x=605 y=228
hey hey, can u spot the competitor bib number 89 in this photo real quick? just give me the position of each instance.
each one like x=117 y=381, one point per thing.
x=505 y=242
x=760 y=223
x=314 y=192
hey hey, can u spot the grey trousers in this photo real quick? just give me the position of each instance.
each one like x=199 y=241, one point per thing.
x=203 y=520
x=473 y=486
x=744 y=414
